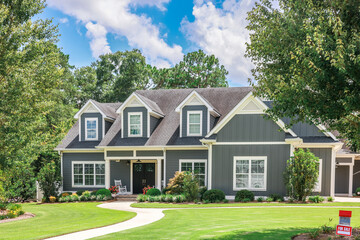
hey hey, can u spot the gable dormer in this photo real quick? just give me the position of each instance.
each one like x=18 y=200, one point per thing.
x=93 y=122
x=139 y=116
x=197 y=116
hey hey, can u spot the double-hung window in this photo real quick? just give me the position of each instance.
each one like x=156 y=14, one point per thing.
x=91 y=129
x=88 y=174
x=250 y=173
x=194 y=123
x=135 y=124
x=198 y=167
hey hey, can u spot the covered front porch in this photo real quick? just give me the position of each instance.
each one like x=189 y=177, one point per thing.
x=136 y=169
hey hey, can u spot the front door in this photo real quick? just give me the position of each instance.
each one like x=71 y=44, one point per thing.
x=143 y=176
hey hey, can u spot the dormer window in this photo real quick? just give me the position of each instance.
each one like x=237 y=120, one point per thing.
x=135 y=124
x=194 y=123
x=91 y=129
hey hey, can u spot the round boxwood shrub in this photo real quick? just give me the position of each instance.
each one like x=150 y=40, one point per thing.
x=103 y=191
x=213 y=195
x=240 y=195
x=153 y=192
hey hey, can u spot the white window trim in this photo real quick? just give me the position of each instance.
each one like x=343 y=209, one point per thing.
x=96 y=130
x=188 y=125
x=193 y=161
x=141 y=124
x=318 y=187
x=250 y=159
x=83 y=163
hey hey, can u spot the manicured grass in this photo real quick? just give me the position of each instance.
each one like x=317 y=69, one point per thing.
x=173 y=205
x=236 y=223
x=57 y=219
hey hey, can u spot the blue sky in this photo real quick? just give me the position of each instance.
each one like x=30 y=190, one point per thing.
x=164 y=30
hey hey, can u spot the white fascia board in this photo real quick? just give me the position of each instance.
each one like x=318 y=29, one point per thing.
x=203 y=100
x=327 y=133
x=232 y=113
x=134 y=95
x=179 y=147
x=77 y=115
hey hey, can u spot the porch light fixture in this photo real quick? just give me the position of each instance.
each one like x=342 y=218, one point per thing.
x=138 y=161
x=128 y=162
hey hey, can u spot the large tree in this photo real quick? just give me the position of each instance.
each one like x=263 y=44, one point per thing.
x=307 y=60
x=32 y=72
x=196 y=70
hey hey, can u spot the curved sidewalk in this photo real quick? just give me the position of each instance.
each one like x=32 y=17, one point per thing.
x=143 y=217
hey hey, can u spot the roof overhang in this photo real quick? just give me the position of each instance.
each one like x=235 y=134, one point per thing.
x=135 y=96
x=195 y=94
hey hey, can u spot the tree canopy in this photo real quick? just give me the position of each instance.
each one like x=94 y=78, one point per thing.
x=307 y=60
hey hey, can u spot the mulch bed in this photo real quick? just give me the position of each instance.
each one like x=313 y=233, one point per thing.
x=322 y=236
x=21 y=217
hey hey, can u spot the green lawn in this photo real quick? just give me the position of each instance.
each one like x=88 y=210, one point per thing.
x=57 y=219
x=172 y=205
x=235 y=223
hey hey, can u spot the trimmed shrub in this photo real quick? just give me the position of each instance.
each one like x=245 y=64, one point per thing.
x=100 y=197
x=83 y=198
x=202 y=190
x=269 y=199
x=213 y=195
x=240 y=195
x=93 y=193
x=153 y=192
x=276 y=197
x=260 y=199
x=330 y=199
x=74 y=197
x=245 y=200
x=225 y=201
x=103 y=191
x=80 y=192
x=316 y=199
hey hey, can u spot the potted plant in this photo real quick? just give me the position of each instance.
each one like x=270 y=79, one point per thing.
x=114 y=190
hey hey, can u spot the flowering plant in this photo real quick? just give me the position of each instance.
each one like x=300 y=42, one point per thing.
x=145 y=189
x=114 y=189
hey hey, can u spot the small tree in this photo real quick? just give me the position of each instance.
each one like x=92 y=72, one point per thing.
x=184 y=183
x=301 y=174
x=49 y=180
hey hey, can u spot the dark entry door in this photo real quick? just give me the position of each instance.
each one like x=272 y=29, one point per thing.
x=143 y=176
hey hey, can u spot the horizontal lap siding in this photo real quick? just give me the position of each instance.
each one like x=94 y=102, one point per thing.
x=68 y=158
x=223 y=162
x=173 y=157
x=325 y=155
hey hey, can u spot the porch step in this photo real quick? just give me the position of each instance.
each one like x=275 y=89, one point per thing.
x=127 y=197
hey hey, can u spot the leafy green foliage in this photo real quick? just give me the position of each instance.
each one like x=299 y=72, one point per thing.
x=49 y=180
x=240 y=195
x=103 y=191
x=153 y=192
x=191 y=187
x=276 y=197
x=316 y=199
x=301 y=174
x=19 y=182
x=196 y=70
x=307 y=60
x=213 y=195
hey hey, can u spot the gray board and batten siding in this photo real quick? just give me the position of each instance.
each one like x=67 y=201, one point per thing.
x=356 y=177
x=342 y=179
x=250 y=128
x=173 y=157
x=68 y=158
x=143 y=110
x=100 y=125
x=186 y=109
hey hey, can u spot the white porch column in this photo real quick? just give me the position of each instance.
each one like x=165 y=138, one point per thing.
x=332 y=173
x=158 y=176
x=107 y=173
x=351 y=174
x=209 y=166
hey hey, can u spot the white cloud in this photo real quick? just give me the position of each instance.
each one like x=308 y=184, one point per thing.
x=153 y=3
x=98 y=42
x=115 y=16
x=64 y=20
x=222 y=32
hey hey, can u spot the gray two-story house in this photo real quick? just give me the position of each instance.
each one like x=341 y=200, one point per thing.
x=220 y=133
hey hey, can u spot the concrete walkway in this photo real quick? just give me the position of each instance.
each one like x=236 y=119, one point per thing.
x=347 y=199
x=143 y=217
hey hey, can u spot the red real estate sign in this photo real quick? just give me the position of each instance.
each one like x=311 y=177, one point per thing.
x=343 y=230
